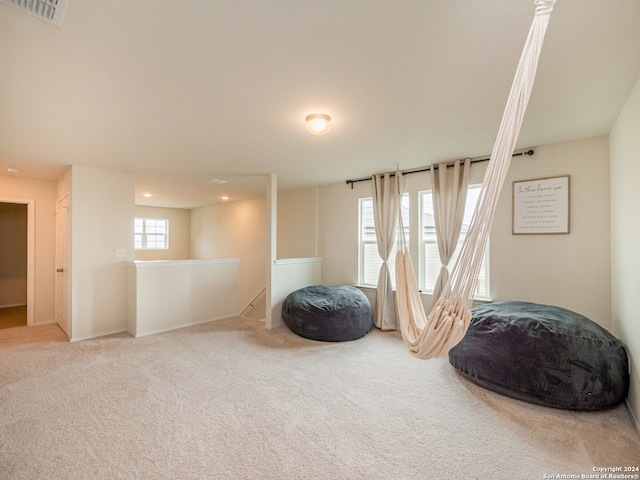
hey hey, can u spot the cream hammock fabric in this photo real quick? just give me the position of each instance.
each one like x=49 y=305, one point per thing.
x=447 y=323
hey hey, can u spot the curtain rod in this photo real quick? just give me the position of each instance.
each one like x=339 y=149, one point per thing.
x=435 y=167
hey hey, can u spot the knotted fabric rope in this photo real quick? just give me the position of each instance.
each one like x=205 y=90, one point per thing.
x=434 y=335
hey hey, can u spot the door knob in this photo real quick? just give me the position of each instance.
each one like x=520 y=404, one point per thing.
x=59 y=270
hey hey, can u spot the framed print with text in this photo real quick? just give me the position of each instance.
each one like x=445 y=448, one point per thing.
x=541 y=206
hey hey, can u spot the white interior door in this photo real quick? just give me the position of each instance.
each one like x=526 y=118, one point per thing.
x=62 y=265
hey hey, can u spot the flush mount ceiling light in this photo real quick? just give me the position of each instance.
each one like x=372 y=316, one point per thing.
x=13 y=169
x=318 y=123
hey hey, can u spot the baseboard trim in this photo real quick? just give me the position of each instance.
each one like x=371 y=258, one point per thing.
x=177 y=327
x=96 y=335
x=48 y=322
x=274 y=325
x=635 y=421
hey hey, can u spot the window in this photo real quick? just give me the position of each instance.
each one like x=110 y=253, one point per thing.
x=369 y=260
x=429 y=256
x=151 y=233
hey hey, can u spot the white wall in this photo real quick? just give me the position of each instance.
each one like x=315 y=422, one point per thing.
x=43 y=193
x=165 y=295
x=625 y=238
x=234 y=230
x=179 y=233
x=338 y=232
x=238 y=229
x=297 y=223
x=102 y=215
x=571 y=271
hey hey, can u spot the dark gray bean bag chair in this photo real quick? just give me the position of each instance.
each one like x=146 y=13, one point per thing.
x=544 y=355
x=330 y=314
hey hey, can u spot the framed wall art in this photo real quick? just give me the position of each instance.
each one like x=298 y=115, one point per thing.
x=541 y=206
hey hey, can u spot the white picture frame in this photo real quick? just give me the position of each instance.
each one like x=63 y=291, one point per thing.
x=541 y=206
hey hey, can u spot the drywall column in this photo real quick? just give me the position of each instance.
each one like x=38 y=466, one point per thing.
x=283 y=276
x=102 y=212
x=272 y=243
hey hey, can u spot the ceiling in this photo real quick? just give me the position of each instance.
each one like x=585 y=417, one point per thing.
x=181 y=92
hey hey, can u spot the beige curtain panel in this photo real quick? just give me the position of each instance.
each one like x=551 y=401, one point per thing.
x=385 y=217
x=449 y=191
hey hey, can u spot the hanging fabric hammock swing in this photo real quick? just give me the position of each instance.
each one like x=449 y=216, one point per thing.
x=434 y=335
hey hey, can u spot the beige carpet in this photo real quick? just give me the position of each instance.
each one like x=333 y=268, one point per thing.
x=232 y=400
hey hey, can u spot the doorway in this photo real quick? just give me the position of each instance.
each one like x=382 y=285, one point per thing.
x=16 y=262
x=62 y=265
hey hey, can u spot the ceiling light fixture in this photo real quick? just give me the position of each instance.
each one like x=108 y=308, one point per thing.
x=147 y=195
x=13 y=169
x=225 y=198
x=318 y=123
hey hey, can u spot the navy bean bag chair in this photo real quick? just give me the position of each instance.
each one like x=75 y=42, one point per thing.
x=544 y=355
x=329 y=314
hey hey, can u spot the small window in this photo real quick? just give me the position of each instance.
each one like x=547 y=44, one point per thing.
x=369 y=260
x=429 y=255
x=151 y=233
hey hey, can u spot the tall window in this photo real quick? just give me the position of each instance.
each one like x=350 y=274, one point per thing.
x=151 y=233
x=370 y=261
x=429 y=256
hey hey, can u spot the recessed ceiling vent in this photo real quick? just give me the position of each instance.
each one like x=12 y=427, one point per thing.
x=51 y=11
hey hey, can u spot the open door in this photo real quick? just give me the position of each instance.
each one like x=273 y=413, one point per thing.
x=62 y=265
x=30 y=273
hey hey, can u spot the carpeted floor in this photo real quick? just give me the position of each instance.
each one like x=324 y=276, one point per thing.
x=233 y=400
